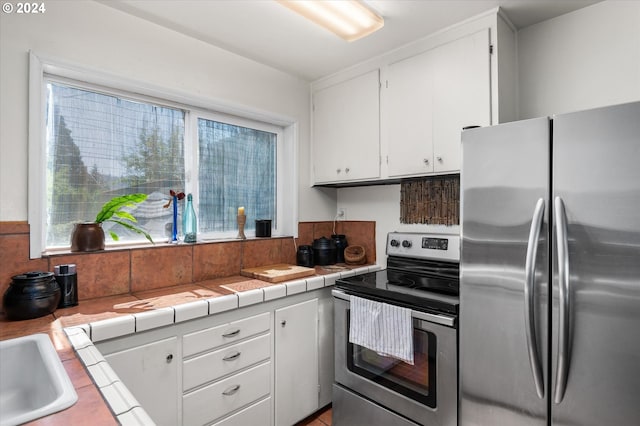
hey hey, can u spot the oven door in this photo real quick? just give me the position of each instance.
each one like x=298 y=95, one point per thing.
x=425 y=392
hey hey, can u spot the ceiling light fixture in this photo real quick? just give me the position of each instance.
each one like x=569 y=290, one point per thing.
x=349 y=19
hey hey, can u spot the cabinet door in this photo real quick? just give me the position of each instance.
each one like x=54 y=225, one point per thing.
x=150 y=372
x=325 y=351
x=409 y=116
x=461 y=96
x=346 y=130
x=430 y=97
x=296 y=362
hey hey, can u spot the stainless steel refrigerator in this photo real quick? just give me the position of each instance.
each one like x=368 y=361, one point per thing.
x=550 y=271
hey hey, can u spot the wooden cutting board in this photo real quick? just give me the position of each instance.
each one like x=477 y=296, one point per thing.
x=278 y=273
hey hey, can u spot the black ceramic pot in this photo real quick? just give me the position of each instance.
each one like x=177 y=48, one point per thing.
x=324 y=251
x=341 y=244
x=304 y=256
x=31 y=295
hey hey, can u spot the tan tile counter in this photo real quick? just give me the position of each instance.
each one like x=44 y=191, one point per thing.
x=90 y=403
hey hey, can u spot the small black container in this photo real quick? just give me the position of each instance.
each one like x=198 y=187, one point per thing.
x=31 y=295
x=341 y=244
x=324 y=251
x=263 y=227
x=304 y=256
x=67 y=279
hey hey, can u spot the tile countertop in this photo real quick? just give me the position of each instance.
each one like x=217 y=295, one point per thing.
x=186 y=302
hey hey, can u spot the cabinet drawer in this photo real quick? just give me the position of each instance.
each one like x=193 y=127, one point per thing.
x=216 y=400
x=256 y=414
x=211 y=338
x=213 y=365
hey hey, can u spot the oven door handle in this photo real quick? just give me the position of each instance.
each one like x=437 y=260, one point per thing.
x=449 y=321
x=529 y=296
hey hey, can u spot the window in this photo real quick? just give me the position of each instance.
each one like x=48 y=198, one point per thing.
x=97 y=142
x=236 y=168
x=100 y=146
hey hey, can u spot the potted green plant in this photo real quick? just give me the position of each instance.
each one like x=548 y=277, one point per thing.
x=89 y=236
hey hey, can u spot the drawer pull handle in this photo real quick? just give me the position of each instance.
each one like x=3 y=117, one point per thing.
x=231 y=390
x=232 y=333
x=169 y=358
x=231 y=357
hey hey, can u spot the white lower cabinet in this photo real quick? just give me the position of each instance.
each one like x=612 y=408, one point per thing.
x=255 y=414
x=266 y=364
x=209 y=338
x=225 y=361
x=296 y=362
x=225 y=368
x=150 y=372
x=220 y=398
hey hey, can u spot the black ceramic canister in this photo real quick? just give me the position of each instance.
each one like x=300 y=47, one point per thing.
x=324 y=251
x=31 y=295
x=341 y=244
x=67 y=279
x=304 y=256
x=263 y=227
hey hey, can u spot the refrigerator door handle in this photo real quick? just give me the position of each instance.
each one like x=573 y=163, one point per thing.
x=529 y=296
x=562 y=242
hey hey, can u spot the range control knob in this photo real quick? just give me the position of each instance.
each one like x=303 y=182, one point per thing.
x=395 y=243
x=406 y=244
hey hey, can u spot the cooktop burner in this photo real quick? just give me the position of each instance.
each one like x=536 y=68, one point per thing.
x=415 y=292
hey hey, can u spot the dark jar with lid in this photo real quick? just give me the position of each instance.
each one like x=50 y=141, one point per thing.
x=304 y=256
x=324 y=251
x=341 y=244
x=31 y=295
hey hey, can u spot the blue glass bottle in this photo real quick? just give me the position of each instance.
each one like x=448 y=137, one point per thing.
x=189 y=221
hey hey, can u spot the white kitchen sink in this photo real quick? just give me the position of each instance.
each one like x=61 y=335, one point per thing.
x=33 y=382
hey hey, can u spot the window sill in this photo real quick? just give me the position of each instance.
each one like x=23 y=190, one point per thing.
x=140 y=246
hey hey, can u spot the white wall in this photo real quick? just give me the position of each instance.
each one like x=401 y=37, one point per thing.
x=382 y=204
x=95 y=36
x=581 y=60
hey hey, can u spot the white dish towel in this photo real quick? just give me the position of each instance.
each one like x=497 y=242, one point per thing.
x=383 y=328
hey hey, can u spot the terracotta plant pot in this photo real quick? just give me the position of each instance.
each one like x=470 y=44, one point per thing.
x=87 y=236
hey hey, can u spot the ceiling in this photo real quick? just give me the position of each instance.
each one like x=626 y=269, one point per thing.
x=271 y=34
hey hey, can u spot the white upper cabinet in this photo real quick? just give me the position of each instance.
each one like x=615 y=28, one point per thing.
x=346 y=130
x=462 y=96
x=411 y=124
x=409 y=114
x=430 y=97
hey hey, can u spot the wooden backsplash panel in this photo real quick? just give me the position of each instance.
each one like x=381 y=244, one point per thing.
x=361 y=233
x=432 y=201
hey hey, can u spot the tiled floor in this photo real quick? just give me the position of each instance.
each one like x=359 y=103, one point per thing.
x=321 y=417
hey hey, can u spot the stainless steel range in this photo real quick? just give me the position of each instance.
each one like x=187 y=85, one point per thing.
x=372 y=389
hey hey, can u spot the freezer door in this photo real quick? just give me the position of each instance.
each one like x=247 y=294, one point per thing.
x=596 y=178
x=505 y=184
